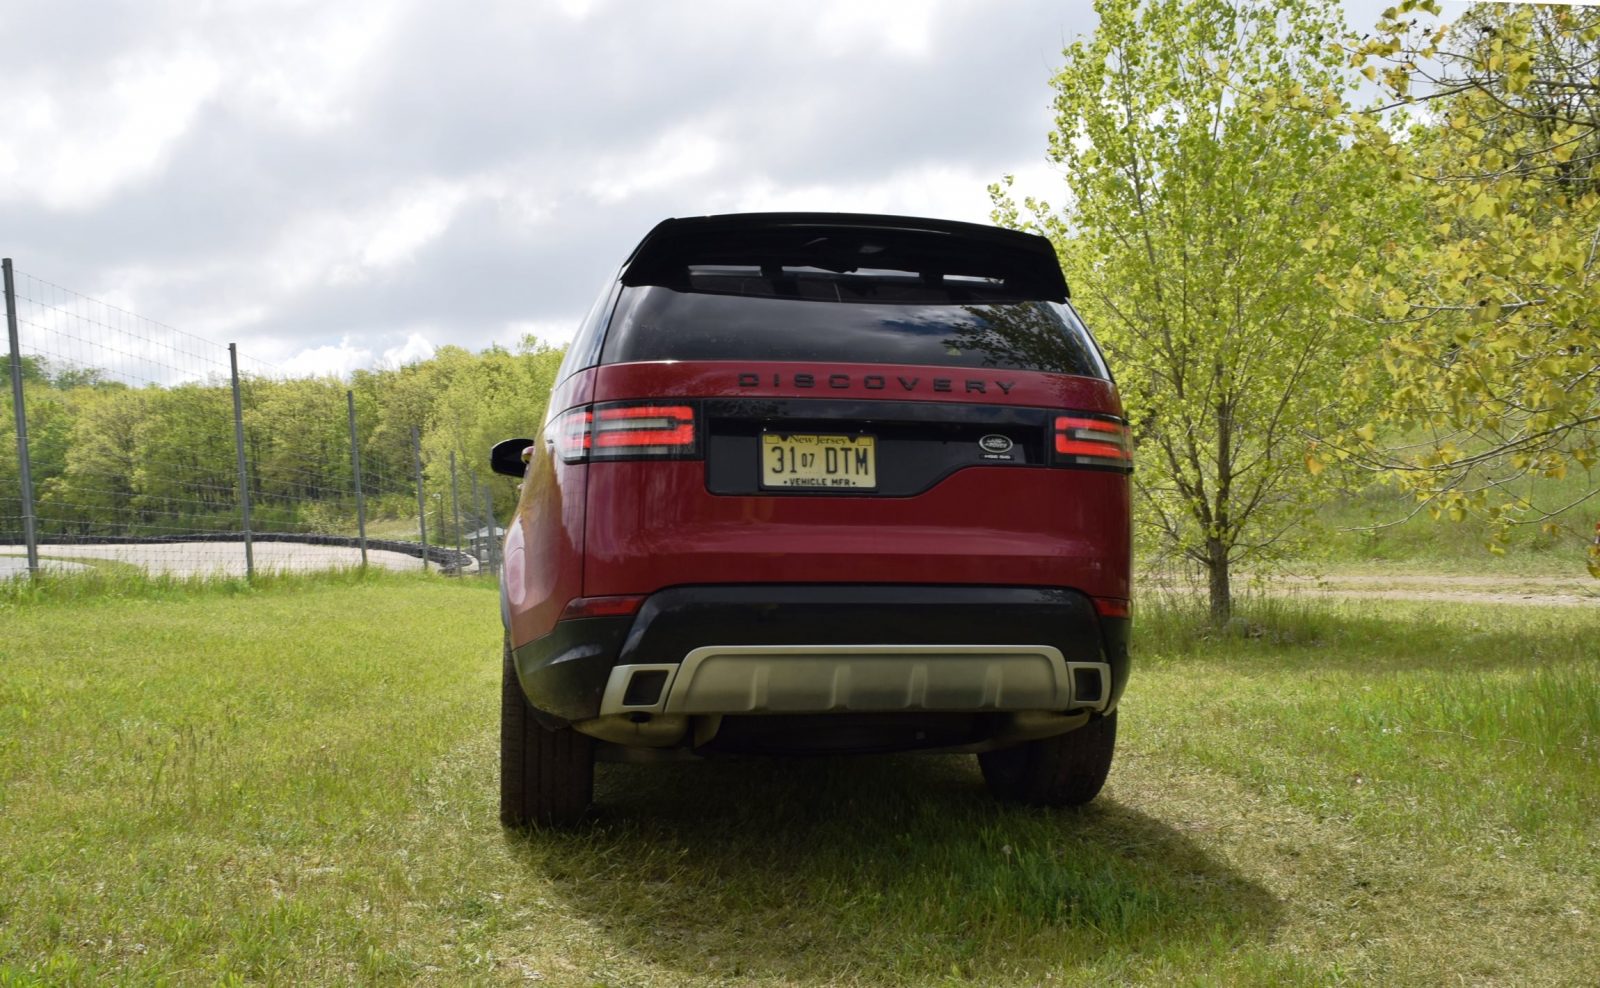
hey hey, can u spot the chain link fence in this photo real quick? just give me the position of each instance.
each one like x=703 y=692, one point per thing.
x=126 y=442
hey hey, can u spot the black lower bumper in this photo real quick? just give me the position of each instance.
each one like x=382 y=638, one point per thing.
x=564 y=673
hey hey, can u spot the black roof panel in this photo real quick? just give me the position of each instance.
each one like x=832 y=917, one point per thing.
x=1023 y=262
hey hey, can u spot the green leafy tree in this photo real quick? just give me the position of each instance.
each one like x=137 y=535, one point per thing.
x=185 y=476
x=1492 y=320
x=49 y=421
x=304 y=448
x=1200 y=142
x=500 y=395
x=94 y=490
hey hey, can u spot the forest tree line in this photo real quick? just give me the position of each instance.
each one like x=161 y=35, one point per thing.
x=109 y=459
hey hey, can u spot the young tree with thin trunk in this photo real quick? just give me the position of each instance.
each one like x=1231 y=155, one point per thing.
x=1200 y=143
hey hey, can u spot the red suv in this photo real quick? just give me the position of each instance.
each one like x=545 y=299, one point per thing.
x=820 y=483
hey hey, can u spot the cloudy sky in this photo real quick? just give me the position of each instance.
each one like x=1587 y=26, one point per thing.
x=343 y=183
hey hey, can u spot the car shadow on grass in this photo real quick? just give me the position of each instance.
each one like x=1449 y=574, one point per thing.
x=894 y=869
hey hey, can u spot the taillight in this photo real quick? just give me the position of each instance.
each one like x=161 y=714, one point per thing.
x=569 y=434
x=625 y=431
x=1092 y=442
x=643 y=430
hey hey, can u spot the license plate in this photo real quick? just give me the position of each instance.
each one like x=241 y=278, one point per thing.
x=813 y=461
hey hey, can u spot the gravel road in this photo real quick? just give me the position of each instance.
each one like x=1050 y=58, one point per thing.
x=214 y=558
x=18 y=565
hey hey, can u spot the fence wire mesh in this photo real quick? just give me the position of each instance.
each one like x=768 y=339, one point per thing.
x=135 y=457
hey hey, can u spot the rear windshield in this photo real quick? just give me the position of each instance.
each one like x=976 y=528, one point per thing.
x=659 y=323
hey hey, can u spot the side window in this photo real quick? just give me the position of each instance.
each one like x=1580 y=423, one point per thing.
x=1075 y=325
x=584 y=349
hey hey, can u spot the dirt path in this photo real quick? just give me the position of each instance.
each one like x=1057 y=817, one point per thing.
x=1576 y=591
x=1560 y=591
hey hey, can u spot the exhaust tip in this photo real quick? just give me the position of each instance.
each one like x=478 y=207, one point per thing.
x=644 y=688
x=1088 y=685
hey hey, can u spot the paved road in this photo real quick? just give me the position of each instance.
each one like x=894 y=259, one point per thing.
x=18 y=565
x=218 y=558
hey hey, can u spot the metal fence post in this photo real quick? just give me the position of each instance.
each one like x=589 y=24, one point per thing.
x=474 y=506
x=24 y=471
x=492 y=548
x=422 y=504
x=355 y=471
x=455 y=508
x=244 y=476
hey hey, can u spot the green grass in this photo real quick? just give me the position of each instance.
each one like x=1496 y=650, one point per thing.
x=294 y=782
x=106 y=579
x=1365 y=532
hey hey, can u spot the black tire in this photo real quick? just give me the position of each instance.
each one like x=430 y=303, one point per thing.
x=546 y=777
x=1066 y=770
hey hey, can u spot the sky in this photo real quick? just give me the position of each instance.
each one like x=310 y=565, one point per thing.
x=345 y=183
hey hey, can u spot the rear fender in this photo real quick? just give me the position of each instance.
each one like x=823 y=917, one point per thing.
x=544 y=543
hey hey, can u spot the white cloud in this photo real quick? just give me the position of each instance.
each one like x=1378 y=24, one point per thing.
x=945 y=191
x=73 y=150
x=899 y=27
x=1041 y=180
x=578 y=10
x=349 y=246
x=418 y=217
x=556 y=332
x=338 y=361
x=307 y=63
x=415 y=348
x=679 y=155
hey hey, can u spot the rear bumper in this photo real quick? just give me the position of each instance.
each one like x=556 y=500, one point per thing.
x=880 y=678
x=814 y=648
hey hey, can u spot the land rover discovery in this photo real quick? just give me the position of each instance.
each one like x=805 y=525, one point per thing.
x=818 y=483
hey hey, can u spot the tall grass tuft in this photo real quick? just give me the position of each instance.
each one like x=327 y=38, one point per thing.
x=104 y=579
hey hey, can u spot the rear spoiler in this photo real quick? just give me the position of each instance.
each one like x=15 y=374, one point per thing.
x=1024 y=263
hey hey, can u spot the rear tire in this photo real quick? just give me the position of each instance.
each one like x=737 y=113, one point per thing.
x=546 y=777
x=1066 y=770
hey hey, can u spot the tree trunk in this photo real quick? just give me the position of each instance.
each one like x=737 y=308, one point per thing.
x=1221 y=590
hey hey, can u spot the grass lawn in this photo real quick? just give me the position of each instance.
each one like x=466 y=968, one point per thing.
x=1369 y=531
x=296 y=784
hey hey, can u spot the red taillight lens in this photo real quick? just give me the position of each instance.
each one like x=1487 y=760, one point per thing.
x=643 y=430
x=625 y=430
x=569 y=434
x=1092 y=442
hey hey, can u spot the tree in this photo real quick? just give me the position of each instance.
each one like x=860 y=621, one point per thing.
x=1200 y=142
x=1492 y=322
x=99 y=456
x=184 y=475
x=495 y=395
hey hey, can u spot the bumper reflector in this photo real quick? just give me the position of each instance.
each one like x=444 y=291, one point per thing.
x=588 y=607
x=1113 y=607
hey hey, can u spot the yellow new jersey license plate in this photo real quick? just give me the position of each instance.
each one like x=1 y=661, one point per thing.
x=812 y=461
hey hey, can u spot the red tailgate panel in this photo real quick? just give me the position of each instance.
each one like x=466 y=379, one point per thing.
x=653 y=524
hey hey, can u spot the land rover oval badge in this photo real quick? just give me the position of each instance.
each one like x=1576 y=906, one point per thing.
x=995 y=444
